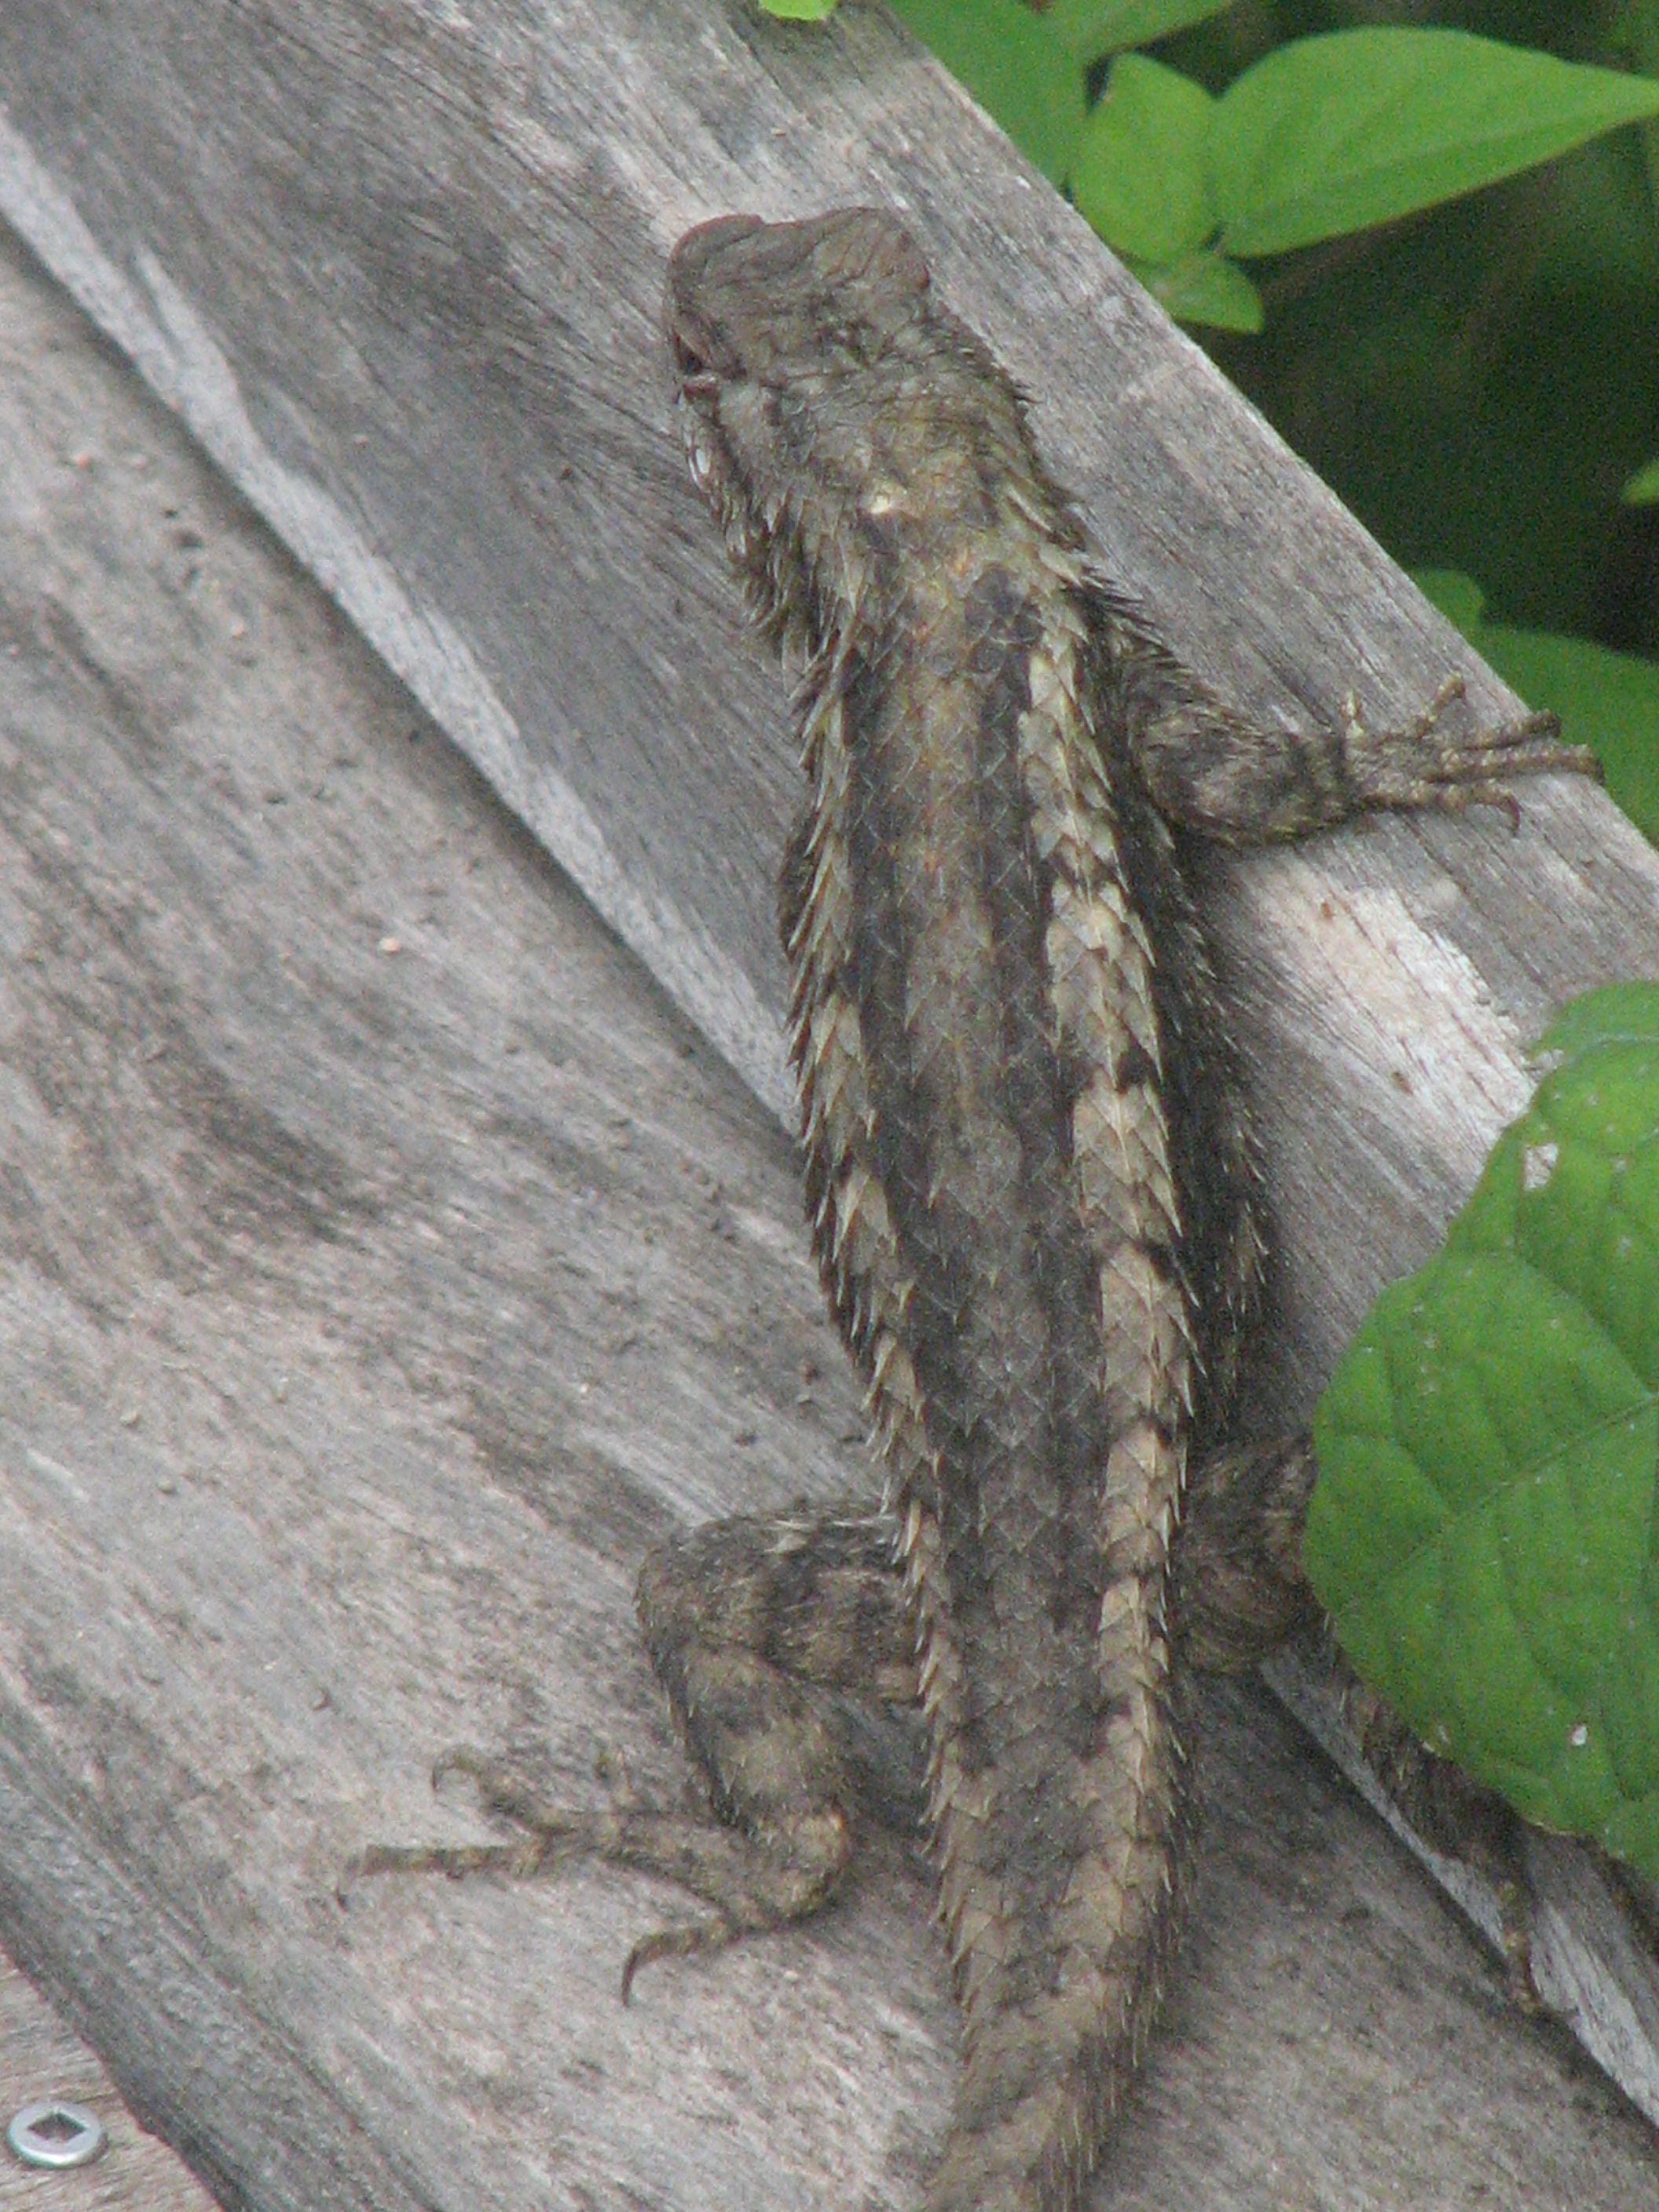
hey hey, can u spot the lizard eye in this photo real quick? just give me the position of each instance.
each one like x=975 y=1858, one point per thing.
x=696 y=352
x=694 y=376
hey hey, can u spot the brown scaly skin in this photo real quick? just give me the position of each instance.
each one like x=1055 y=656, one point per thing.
x=1033 y=1193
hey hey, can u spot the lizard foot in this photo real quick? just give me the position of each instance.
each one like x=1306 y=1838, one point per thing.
x=1419 y=766
x=753 y=1883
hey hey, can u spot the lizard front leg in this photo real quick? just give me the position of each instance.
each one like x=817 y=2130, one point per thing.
x=1238 y=782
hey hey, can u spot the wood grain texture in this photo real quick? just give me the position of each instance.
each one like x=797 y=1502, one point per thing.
x=426 y=1353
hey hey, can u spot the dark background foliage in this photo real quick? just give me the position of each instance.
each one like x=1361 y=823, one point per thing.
x=1478 y=382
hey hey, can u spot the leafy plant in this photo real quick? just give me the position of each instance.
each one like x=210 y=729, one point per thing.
x=1485 y=1529
x=1017 y=65
x=1325 y=136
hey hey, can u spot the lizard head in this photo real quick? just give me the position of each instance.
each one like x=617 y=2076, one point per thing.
x=795 y=346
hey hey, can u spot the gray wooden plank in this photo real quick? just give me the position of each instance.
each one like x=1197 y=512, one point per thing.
x=282 y=1391
x=42 y=2060
x=463 y=221
x=169 y=2030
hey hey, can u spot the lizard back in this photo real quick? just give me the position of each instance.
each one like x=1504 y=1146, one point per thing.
x=1030 y=1202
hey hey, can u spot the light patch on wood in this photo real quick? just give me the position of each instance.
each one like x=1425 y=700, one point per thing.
x=1386 y=993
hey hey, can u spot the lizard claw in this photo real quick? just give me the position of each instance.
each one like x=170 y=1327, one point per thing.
x=1402 y=768
x=1516 y=1919
x=687 y=1940
x=551 y=1838
x=694 y=1853
x=526 y=1856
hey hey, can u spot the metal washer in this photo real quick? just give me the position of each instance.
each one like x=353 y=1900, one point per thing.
x=53 y=2133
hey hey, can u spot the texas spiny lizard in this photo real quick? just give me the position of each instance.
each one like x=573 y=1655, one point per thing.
x=1032 y=1185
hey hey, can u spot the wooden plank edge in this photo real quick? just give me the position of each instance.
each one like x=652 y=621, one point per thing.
x=175 y=2040
x=177 y=356
x=42 y=2060
x=1589 y=1971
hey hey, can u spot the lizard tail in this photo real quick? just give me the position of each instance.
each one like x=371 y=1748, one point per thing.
x=1059 y=1883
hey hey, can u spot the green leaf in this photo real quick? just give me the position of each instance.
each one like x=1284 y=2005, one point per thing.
x=799 y=11
x=1485 y=1529
x=1608 y=701
x=1204 y=288
x=1138 y=173
x=1643 y=489
x=1619 y=1013
x=1332 y=134
x=1459 y=598
x=1015 y=67
x=1092 y=29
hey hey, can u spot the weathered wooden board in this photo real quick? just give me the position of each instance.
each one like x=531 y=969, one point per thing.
x=41 y=2060
x=424 y=1358
x=362 y=1316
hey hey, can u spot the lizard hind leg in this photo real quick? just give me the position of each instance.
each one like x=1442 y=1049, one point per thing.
x=784 y=1647
x=1239 y=1593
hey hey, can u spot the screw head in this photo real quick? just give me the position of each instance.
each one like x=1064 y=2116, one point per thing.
x=54 y=2133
